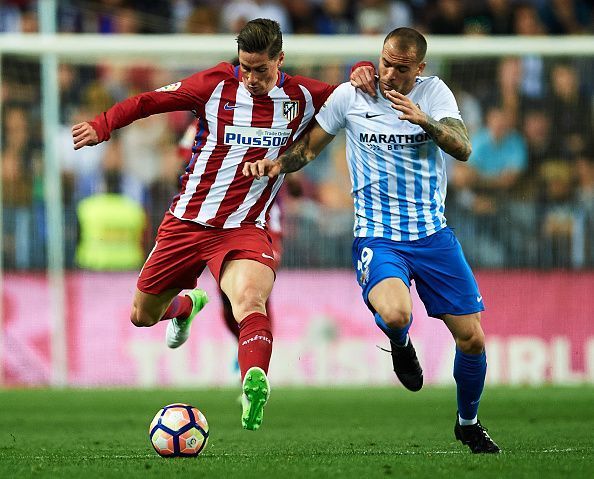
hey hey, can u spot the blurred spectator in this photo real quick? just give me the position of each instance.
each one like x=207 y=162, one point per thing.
x=382 y=16
x=111 y=228
x=571 y=108
x=494 y=17
x=301 y=16
x=236 y=13
x=566 y=17
x=20 y=161
x=18 y=16
x=542 y=144
x=334 y=17
x=498 y=159
x=562 y=223
x=203 y=19
x=526 y=21
x=447 y=18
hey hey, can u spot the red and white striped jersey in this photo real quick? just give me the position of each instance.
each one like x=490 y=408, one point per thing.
x=232 y=127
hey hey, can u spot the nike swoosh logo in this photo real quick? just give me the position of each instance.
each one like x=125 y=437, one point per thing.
x=264 y=255
x=367 y=115
x=230 y=107
x=479 y=299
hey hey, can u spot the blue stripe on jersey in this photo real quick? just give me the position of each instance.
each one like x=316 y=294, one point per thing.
x=236 y=72
x=382 y=169
x=419 y=152
x=401 y=196
x=197 y=144
x=282 y=79
x=367 y=198
x=436 y=208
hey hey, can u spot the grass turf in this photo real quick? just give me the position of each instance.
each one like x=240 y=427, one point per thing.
x=359 y=432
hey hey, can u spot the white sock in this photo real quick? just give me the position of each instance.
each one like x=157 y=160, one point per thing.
x=467 y=422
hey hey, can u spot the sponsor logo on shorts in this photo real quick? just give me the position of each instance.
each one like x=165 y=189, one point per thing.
x=264 y=255
x=479 y=299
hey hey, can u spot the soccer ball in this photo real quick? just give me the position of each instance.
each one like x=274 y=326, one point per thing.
x=179 y=430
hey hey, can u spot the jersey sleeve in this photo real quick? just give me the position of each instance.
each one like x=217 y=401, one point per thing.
x=441 y=101
x=319 y=90
x=187 y=94
x=332 y=115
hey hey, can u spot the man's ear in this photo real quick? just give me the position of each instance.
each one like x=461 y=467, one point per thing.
x=281 y=59
x=422 y=66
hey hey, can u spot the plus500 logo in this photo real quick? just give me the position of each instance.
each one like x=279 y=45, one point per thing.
x=257 y=137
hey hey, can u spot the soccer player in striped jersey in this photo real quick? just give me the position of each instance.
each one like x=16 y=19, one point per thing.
x=218 y=219
x=395 y=150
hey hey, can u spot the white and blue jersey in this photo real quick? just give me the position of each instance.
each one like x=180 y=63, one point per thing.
x=398 y=172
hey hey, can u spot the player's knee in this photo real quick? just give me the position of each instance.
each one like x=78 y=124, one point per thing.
x=473 y=342
x=396 y=318
x=248 y=301
x=141 y=319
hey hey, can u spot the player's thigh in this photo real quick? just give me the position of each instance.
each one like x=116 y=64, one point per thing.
x=382 y=269
x=443 y=277
x=247 y=283
x=391 y=298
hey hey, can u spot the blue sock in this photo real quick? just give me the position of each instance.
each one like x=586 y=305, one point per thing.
x=469 y=373
x=397 y=336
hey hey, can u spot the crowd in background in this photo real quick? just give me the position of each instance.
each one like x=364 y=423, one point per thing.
x=524 y=199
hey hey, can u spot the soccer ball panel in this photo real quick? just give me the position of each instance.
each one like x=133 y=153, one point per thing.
x=163 y=442
x=175 y=418
x=191 y=441
x=200 y=419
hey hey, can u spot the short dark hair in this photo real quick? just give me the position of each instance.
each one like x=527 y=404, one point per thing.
x=261 y=35
x=407 y=38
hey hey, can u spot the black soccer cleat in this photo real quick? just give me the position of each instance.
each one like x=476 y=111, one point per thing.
x=476 y=438
x=406 y=366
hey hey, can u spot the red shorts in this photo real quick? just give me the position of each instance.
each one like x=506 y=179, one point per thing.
x=184 y=248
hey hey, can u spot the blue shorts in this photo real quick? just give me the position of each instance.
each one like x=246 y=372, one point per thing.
x=436 y=263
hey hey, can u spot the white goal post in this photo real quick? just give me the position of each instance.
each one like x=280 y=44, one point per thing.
x=300 y=49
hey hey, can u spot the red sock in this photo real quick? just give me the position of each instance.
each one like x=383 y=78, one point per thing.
x=255 y=343
x=180 y=308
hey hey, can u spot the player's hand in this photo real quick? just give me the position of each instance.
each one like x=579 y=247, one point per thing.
x=364 y=79
x=261 y=168
x=409 y=110
x=83 y=134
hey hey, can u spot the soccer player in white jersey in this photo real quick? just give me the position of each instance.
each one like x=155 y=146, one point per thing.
x=395 y=145
x=245 y=112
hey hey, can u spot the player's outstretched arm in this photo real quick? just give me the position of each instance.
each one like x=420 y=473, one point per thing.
x=449 y=133
x=295 y=158
x=83 y=134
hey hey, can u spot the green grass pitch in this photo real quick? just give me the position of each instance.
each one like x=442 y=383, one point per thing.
x=345 y=433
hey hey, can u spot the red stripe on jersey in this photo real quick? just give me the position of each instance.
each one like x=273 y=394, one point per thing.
x=215 y=160
x=295 y=94
x=262 y=116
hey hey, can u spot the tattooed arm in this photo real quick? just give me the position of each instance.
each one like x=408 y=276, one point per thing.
x=449 y=133
x=295 y=158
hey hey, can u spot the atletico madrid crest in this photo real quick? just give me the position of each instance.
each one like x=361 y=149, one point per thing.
x=291 y=109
